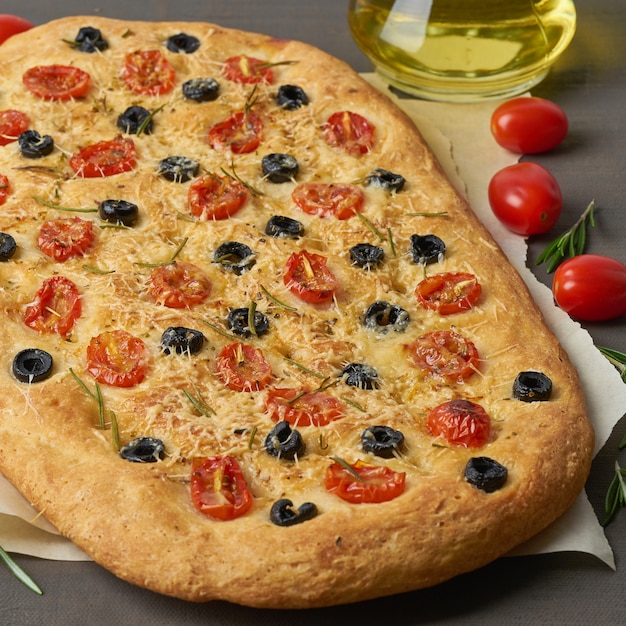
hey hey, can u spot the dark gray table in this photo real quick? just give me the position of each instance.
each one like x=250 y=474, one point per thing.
x=589 y=82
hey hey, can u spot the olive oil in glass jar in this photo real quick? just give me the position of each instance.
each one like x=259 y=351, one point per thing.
x=462 y=50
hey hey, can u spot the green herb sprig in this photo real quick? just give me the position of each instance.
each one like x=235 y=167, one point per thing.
x=569 y=244
x=617 y=358
x=19 y=573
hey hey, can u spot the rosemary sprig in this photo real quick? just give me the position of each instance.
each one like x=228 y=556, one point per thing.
x=276 y=301
x=58 y=207
x=615 y=497
x=371 y=226
x=199 y=403
x=19 y=573
x=148 y=119
x=181 y=245
x=304 y=368
x=569 y=244
x=618 y=359
x=429 y=214
x=348 y=468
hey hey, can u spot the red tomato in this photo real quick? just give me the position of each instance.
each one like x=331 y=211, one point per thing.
x=212 y=197
x=375 y=483
x=248 y=70
x=57 y=82
x=449 y=292
x=591 y=287
x=529 y=125
x=55 y=308
x=242 y=367
x=64 y=238
x=349 y=131
x=526 y=198
x=460 y=423
x=105 y=158
x=218 y=487
x=117 y=358
x=5 y=188
x=302 y=407
x=307 y=277
x=12 y=125
x=12 y=25
x=148 y=72
x=179 y=285
x=241 y=132
x=325 y=199
x=444 y=354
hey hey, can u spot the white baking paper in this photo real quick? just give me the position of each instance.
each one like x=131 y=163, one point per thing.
x=460 y=137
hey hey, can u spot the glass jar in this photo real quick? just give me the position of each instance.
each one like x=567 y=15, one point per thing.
x=462 y=50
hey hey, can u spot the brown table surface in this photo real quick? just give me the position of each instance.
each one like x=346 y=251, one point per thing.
x=589 y=82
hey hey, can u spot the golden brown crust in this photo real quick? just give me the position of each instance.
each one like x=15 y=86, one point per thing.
x=138 y=520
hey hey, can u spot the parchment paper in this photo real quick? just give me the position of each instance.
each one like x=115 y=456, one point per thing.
x=460 y=137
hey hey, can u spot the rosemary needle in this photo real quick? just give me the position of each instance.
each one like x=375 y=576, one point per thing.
x=19 y=573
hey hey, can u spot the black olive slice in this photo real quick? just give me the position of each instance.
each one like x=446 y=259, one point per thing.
x=382 y=317
x=34 y=146
x=143 y=450
x=134 y=118
x=178 y=169
x=283 y=513
x=32 y=365
x=90 y=40
x=485 y=474
x=284 y=442
x=366 y=255
x=234 y=256
x=291 y=97
x=279 y=168
x=119 y=212
x=384 y=179
x=382 y=441
x=427 y=249
x=182 y=340
x=182 y=43
x=282 y=226
x=201 y=89
x=532 y=387
x=360 y=375
x=238 y=322
x=8 y=246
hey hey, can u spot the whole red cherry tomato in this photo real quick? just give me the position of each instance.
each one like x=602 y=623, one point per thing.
x=591 y=287
x=526 y=198
x=11 y=25
x=529 y=125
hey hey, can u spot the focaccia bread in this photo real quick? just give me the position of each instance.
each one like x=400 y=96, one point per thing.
x=255 y=346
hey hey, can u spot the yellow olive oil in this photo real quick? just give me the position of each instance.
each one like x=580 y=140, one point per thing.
x=462 y=50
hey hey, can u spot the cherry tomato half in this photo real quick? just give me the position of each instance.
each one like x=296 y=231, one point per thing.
x=57 y=82
x=247 y=70
x=241 y=132
x=242 y=367
x=12 y=25
x=444 y=354
x=349 y=131
x=12 y=125
x=460 y=423
x=117 y=358
x=148 y=72
x=591 y=287
x=105 y=158
x=526 y=198
x=179 y=285
x=529 y=125
x=212 y=197
x=327 y=199
x=218 y=487
x=374 y=483
x=56 y=307
x=64 y=238
x=306 y=276
x=302 y=407
x=5 y=188
x=448 y=292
